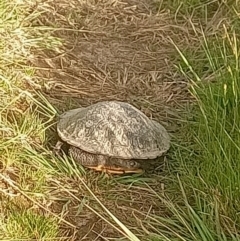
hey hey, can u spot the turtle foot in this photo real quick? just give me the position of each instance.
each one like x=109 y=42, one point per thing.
x=57 y=148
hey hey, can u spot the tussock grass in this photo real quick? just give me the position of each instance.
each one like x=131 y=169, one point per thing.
x=208 y=163
x=27 y=225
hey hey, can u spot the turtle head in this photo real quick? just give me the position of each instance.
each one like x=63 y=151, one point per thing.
x=68 y=114
x=117 y=165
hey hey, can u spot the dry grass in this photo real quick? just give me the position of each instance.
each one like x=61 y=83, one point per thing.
x=112 y=50
x=90 y=222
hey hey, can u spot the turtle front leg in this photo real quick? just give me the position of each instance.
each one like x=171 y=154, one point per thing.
x=89 y=160
x=57 y=148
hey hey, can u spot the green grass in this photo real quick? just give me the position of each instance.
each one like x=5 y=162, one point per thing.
x=41 y=196
x=27 y=225
x=198 y=10
x=22 y=127
x=208 y=156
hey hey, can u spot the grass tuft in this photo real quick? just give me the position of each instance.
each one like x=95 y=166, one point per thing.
x=209 y=171
x=28 y=225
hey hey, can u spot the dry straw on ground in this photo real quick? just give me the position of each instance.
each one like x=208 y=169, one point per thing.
x=112 y=50
x=117 y=50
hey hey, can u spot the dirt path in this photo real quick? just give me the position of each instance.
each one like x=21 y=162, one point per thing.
x=112 y=50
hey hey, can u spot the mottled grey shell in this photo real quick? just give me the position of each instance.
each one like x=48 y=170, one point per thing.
x=115 y=129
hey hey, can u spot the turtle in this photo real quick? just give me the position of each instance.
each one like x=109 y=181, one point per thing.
x=111 y=136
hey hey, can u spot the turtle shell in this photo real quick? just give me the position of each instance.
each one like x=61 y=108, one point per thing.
x=115 y=129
